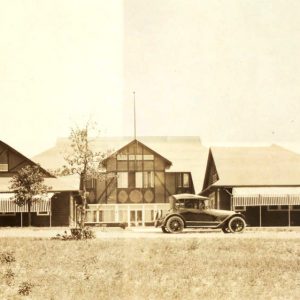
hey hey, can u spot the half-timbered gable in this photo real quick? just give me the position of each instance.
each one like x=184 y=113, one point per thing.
x=11 y=161
x=137 y=174
x=54 y=210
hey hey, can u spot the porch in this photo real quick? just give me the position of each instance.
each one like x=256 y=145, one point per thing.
x=131 y=215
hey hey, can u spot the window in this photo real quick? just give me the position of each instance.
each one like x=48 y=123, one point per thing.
x=122 y=157
x=122 y=180
x=277 y=207
x=240 y=208
x=296 y=207
x=3 y=167
x=43 y=213
x=190 y=203
x=139 y=179
x=7 y=214
x=91 y=183
x=4 y=161
x=148 y=157
x=186 y=180
x=144 y=179
x=135 y=157
x=183 y=180
x=148 y=180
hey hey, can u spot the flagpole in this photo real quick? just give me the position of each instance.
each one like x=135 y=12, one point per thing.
x=134 y=125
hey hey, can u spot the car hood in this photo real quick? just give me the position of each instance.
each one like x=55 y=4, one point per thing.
x=220 y=213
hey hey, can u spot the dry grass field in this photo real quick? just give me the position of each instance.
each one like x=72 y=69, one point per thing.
x=194 y=268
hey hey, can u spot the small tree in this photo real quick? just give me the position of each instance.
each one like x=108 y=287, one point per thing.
x=28 y=186
x=85 y=162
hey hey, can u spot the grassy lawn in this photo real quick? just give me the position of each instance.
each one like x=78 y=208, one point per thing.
x=200 y=268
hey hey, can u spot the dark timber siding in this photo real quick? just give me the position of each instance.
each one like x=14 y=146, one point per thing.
x=61 y=209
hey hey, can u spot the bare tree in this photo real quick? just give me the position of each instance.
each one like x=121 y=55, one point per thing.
x=28 y=186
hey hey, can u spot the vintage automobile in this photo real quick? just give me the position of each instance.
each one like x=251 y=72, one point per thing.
x=192 y=211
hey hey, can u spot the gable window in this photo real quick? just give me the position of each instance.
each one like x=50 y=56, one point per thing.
x=122 y=180
x=148 y=157
x=3 y=162
x=135 y=157
x=122 y=157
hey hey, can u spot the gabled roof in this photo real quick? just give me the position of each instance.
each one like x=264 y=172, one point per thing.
x=59 y=184
x=187 y=154
x=256 y=166
x=135 y=141
x=25 y=158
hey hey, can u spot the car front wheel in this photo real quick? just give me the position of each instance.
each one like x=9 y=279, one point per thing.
x=175 y=225
x=164 y=230
x=225 y=229
x=236 y=224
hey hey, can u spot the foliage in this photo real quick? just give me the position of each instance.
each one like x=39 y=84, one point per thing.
x=28 y=186
x=25 y=288
x=84 y=161
x=9 y=277
x=76 y=234
x=7 y=257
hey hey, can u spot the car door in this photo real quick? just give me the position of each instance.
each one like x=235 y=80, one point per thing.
x=196 y=216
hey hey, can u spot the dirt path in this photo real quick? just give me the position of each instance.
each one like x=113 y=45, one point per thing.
x=150 y=232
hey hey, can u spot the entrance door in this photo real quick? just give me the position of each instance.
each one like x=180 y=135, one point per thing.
x=136 y=218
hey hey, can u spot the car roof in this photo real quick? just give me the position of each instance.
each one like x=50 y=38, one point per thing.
x=188 y=196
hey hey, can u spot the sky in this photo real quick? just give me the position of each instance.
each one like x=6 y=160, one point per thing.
x=226 y=71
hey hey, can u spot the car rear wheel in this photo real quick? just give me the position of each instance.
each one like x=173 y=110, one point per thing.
x=236 y=224
x=175 y=225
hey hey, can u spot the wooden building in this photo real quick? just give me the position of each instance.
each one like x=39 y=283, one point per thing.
x=138 y=178
x=54 y=210
x=261 y=182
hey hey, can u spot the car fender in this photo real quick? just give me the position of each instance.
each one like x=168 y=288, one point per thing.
x=173 y=215
x=230 y=217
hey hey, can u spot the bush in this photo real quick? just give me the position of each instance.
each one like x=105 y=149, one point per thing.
x=7 y=257
x=25 y=288
x=9 y=276
x=77 y=234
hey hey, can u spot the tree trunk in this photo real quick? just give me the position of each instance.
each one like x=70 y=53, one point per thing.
x=29 y=214
x=83 y=211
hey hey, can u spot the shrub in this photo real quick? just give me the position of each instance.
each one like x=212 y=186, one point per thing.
x=25 y=288
x=77 y=234
x=7 y=257
x=9 y=276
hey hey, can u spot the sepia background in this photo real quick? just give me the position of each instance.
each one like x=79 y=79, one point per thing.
x=227 y=71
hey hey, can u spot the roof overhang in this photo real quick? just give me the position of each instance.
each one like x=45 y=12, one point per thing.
x=41 y=203
x=265 y=196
